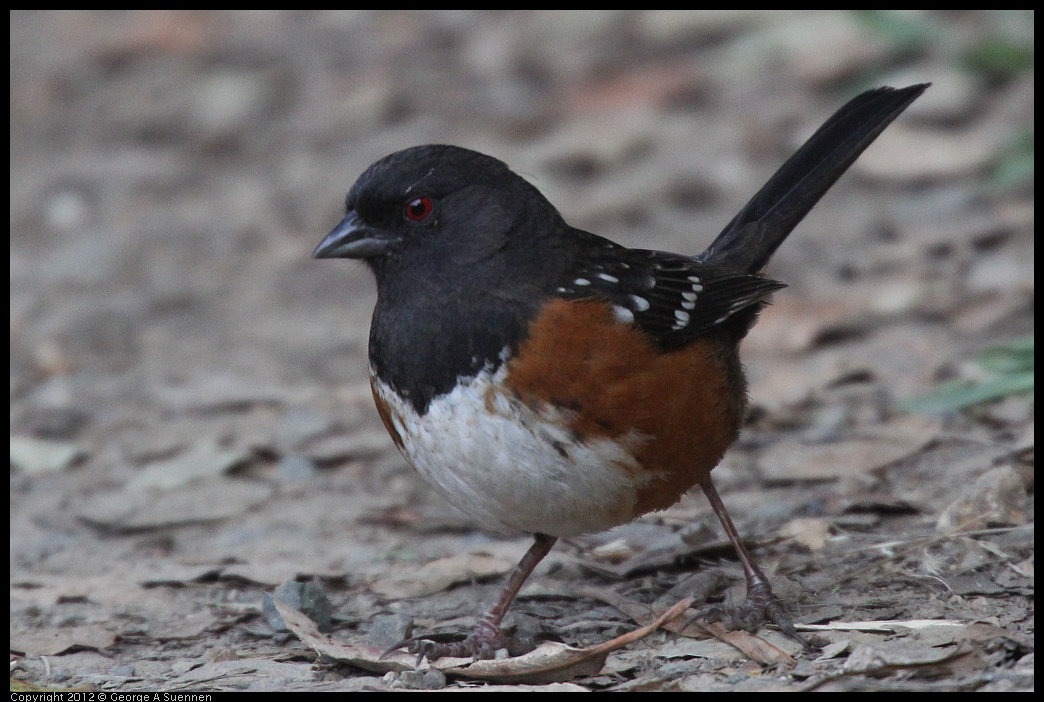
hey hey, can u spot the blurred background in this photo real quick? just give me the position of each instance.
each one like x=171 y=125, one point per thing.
x=188 y=388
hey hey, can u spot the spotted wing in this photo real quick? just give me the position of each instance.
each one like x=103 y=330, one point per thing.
x=672 y=298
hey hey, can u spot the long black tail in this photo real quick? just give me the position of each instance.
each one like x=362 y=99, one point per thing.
x=749 y=240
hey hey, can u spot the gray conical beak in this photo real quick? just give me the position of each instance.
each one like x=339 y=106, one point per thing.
x=352 y=238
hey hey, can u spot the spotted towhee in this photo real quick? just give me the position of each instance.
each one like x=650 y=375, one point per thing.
x=549 y=381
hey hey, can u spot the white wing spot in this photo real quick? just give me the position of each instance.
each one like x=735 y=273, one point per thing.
x=581 y=281
x=690 y=296
x=609 y=278
x=697 y=288
x=623 y=315
x=682 y=317
x=694 y=279
x=640 y=303
x=688 y=305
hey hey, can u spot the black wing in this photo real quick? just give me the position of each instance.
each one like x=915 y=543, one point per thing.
x=673 y=298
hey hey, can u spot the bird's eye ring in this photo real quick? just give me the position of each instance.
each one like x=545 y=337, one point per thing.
x=418 y=209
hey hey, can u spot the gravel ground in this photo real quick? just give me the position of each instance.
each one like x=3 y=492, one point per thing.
x=191 y=425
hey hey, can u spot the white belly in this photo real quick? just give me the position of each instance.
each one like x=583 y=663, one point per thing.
x=514 y=469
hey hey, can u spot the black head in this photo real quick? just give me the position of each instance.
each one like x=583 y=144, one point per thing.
x=438 y=208
x=464 y=251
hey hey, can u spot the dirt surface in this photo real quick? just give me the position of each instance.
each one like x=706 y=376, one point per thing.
x=191 y=425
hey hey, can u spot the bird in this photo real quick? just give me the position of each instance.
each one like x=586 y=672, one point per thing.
x=549 y=381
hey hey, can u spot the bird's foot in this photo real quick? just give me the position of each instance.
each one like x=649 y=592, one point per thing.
x=759 y=607
x=481 y=644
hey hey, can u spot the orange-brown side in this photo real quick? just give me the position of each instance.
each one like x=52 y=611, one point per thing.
x=385 y=413
x=612 y=381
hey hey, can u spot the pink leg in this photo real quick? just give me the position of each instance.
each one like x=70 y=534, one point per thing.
x=486 y=637
x=761 y=604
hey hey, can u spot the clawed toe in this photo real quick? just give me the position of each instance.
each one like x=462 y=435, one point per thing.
x=481 y=644
x=759 y=607
x=486 y=638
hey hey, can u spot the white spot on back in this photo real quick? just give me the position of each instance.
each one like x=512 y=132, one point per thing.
x=640 y=303
x=581 y=281
x=609 y=278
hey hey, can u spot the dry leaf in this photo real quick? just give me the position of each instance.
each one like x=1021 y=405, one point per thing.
x=873 y=449
x=811 y=532
x=996 y=497
x=204 y=459
x=203 y=501
x=39 y=456
x=748 y=644
x=51 y=642
x=440 y=574
x=549 y=662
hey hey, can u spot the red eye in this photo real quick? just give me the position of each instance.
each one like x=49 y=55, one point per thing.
x=418 y=210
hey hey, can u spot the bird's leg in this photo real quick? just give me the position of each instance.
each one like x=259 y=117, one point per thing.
x=761 y=604
x=486 y=637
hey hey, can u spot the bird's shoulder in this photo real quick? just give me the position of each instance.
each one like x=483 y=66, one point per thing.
x=671 y=297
